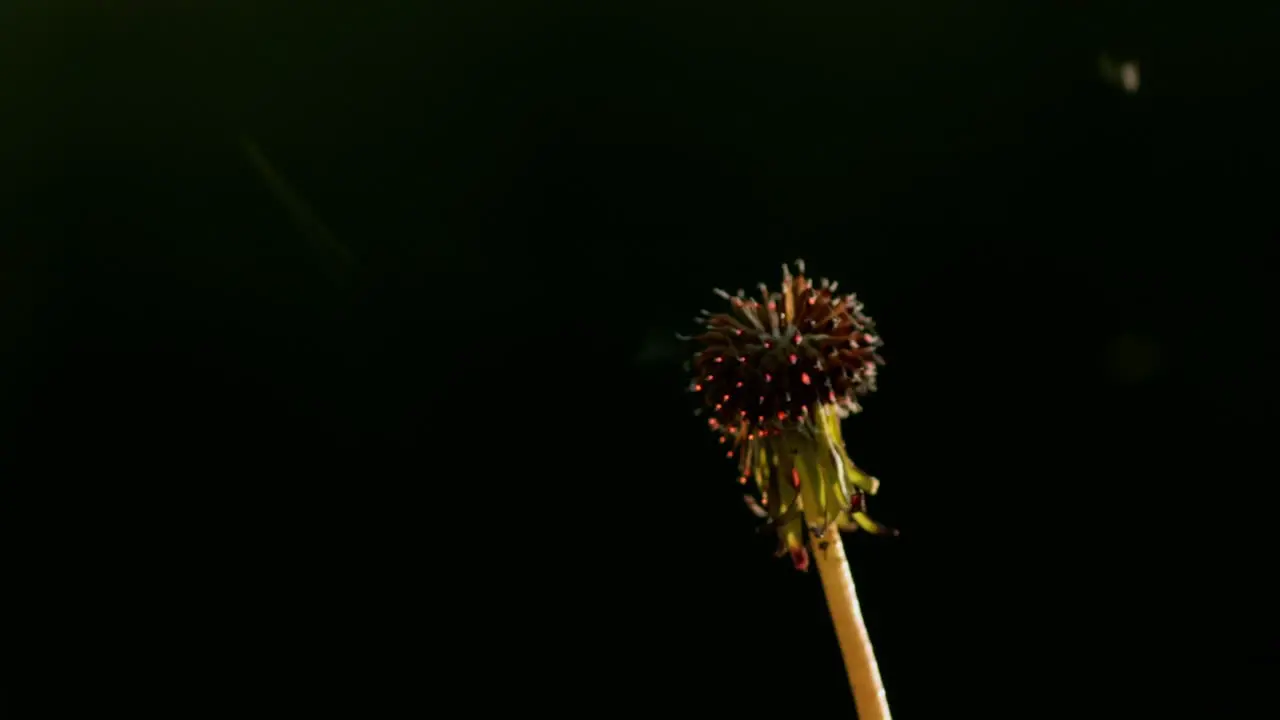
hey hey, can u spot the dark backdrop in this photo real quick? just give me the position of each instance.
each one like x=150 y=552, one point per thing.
x=430 y=444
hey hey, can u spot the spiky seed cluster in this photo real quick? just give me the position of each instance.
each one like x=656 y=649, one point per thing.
x=770 y=362
x=777 y=374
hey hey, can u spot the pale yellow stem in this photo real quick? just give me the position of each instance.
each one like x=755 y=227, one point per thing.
x=851 y=631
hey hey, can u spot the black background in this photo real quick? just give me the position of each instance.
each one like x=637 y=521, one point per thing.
x=451 y=461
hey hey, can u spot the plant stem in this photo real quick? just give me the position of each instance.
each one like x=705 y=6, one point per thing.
x=851 y=631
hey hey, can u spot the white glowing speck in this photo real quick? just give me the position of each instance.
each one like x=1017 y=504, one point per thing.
x=1129 y=77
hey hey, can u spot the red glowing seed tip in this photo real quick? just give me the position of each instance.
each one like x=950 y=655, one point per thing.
x=710 y=378
x=813 y=299
x=726 y=398
x=768 y=377
x=800 y=558
x=718 y=406
x=723 y=439
x=743 y=413
x=795 y=478
x=737 y=332
x=804 y=378
x=743 y=480
x=793 y=358
x=719 y=359
x=782 y=415
x=797 y=339
x=729 y=454
x=697 y=388
x=739 y=384
x=773 y=305
x=751 y=436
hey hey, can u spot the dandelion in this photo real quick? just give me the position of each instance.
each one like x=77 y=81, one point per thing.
x=776 y=375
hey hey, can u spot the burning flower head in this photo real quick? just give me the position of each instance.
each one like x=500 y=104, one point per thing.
x=777 y=374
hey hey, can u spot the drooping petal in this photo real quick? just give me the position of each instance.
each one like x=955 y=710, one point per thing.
x=794 y=544
x=871 y=526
